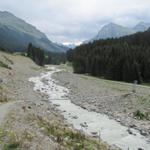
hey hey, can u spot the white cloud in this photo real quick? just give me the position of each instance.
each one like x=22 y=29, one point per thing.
x=76 y=20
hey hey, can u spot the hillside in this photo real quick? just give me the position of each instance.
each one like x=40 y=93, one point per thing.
x=16 y=34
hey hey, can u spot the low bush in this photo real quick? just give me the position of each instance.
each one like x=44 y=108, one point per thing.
x=141 y=115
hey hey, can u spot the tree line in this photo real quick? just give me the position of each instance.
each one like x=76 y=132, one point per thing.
x=123 y=59
x=36 y=54
x=41 y=57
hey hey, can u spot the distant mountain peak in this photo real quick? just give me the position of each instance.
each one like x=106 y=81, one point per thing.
x=6 y=14
x=143 y=23
x=112 y=24
x=142 y=26
x=113 y=30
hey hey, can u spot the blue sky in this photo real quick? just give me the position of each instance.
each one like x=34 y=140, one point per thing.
x=72 y=21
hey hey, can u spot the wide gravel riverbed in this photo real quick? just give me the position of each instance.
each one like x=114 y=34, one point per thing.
x=92 y=123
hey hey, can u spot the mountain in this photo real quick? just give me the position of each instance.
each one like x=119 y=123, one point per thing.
x=113 y=30
x=142 y=26
x=16 y=34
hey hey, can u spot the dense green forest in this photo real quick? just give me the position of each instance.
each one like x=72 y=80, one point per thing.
x=55 y=58
x=41 y=57
x=124 y=59
x=36 y=54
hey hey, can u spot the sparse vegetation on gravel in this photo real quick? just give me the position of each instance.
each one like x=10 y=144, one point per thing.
x=68 y=138
x=141 y=115
x=11 y=139
x=3 y=97
x=8 y=60
x=2 y=64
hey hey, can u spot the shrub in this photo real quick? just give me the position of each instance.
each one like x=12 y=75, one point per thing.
x=141 y=115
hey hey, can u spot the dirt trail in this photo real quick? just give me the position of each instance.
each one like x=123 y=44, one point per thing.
x=4 y=109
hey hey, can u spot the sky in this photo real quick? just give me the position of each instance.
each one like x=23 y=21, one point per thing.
x=74 y=21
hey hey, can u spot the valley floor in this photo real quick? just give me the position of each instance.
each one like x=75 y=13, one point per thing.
x=123 y=102
x=27 y=119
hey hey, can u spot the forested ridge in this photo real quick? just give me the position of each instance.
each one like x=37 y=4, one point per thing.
x=124 y=59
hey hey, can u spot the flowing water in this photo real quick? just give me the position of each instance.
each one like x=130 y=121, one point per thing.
x=91 y=123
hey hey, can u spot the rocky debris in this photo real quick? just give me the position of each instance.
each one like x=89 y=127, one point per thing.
x=75 y=117
x=83 y=107
x=132 y=125
x=38 y=90
x=84 y=125
x=113 y=147
x=95 y=135
x=1 y=81
x=144 y=133
x=118 y=120
x=56 y=105
x=129 y=131
x=140 y=149
x=24 y=108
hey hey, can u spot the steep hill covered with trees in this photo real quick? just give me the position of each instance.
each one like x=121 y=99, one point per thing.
x=124 y=59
